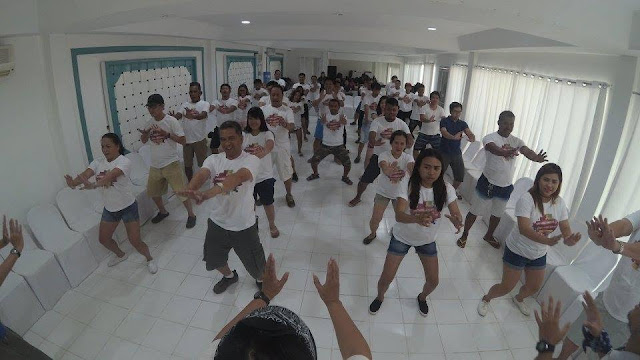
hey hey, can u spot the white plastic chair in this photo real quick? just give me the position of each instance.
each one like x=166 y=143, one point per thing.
x=77 y=209
x=69 y=247
x=139 y=169
x=473 y=171
x=41 y=271
x=145 y=153
x=471 y=151
x=139 y=176
x=19 y=306
x=508 y=219
x=464 y=142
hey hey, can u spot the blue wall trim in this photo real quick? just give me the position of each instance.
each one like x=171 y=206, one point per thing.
x=75 y=52
x=277 y=57
x=236 y=50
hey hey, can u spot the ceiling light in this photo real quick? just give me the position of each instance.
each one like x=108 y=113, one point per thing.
x=431 y=29
x=246 y=22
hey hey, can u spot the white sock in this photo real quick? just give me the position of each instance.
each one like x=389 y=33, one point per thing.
x=230 y=276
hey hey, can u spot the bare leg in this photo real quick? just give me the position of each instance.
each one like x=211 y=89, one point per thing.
x=376 y=217
x=533 y=279
x=468 y=224
x=299 y=137
x=293 y=164
x=510 y=277
x=105 y=236
x=431 y=275
x=361 y=188
x=225 y=270
x=391 y=265
x=271 y=216
x=287 y=186
x=159 y=204
x=314 y=167
x=189 y=207
x=345 y=173
x=493 y=224
x=133 y=232
x=360 y=147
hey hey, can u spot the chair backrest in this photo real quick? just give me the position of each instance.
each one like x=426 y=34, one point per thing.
x=348 y=101
x=49 y=227
x=471 y=151
x=145 y=152
x=464 y=142
x=596 y=262
x=74 y=205
x=480 y=159
x=139 y=170
x=520 y=187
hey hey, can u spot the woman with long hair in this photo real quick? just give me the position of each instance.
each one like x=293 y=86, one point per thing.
x=418 y=214
x=543 y=220
x=244 y=103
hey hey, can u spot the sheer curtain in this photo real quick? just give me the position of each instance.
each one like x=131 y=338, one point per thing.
x=620 y=196
x=380 y=72
x=394 y=69
x=547 y=112
x=413 y=73
x=427 y=77
x=455 y=85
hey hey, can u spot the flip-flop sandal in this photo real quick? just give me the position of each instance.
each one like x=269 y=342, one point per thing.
x=368 y=239
x=313 y=177
x=274 y=234
x=462 y=242
x=300 y=154
x=347 y=181
x=493 y=242
x=353 y=202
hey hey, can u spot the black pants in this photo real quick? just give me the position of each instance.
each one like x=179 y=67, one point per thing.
x=14 y=347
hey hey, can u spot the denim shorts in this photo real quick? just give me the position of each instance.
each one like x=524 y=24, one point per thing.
x=127 y=215
x=518 y=262
x=264 y=190
x=399 y=248
x=319 y=130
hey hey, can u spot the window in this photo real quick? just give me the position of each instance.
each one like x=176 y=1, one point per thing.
x=413 y=73
x=394 y=69
x=455 y=85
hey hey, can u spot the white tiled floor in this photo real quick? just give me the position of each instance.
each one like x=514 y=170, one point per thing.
x=126 y=313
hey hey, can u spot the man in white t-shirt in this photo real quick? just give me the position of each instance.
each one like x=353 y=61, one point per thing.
x=370 y=107
x=394 y=89
x=165 y=132
x=391 y=84
x=194 y=116
x=405 y=102
x=495 y=185
x=232 y=221
x=430 y=117
x=623 y=293
x=306 y=88
x=420 y=101
x=280 y=81
x=224 y=111
x=279 y=118
x=258 y=92
x=379 y=135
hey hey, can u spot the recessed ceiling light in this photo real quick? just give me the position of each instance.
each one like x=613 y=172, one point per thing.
x=431 y=29
x=246 y=22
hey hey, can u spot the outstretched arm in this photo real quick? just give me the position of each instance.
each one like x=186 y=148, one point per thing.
x=532 y=155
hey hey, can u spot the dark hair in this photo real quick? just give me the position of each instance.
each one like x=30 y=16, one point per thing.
x=276 y=70
x=256 y=113
x=313 y=76
x=436 y=93
x=225 y=84
x=415 y=182
x=394 y=76
x=419 y=86
x=379 y=108
x=257 y=81
x=398 y=133
x=230 y=124
x=392 y=101
x=454 y=105
x=254 y=343
x=294 y=91
x=195 y=83
x=334 y=101
x=506 y=114
x=272 y=83
x=116 y=140
x=303 y=74
x=549 y=168
x=241 y=87
x=276 y=86
x=376 y=86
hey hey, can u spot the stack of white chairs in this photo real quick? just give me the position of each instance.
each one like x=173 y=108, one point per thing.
x=508 y=220
x=349 y=107
x=69 y=247
x=19 y=306
x=41 y=271
x=139 y=175
x=473 y=171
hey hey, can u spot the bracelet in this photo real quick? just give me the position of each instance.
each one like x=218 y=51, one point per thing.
x=621 y=248
x=601 y=345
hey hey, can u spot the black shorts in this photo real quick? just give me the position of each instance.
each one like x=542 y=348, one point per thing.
x=215 y=138
x=264 y=191
x=404 y=116
x=372 y=171
x=305 y=114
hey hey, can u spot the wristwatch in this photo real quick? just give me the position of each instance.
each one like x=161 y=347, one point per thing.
x=621 y=248
x=543 y=347
x=260 y=295
x=15 y=251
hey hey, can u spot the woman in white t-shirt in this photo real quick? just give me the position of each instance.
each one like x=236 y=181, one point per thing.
x=418 y=215
x=112 y=177
x=259 y=141
x=543 y=220
x=244 y=103
x=296 y=103
x=395 y=165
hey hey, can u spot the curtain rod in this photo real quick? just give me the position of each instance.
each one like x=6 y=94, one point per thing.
x=585 y=83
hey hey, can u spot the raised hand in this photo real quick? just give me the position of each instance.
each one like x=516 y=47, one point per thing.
x=86 y=184
x=271 y=285
x=456 y=220
x=594 y=231
x=424 y=219
x=212 y=108
x=572 y=239
x=540 y=157
x=144 y=131
x=608 y=239
x=15 y=234
x=330 y=291
x=593 y=322
x=548 y=322
x=70 y=181
x=554 y=240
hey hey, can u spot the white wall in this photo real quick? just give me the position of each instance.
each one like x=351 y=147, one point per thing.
x=31 y=169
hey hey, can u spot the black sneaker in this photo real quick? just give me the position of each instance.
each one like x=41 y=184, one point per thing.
x=224 y=283
x=375 y=306
x=423 y=308
x=191 y=222
x=294 y=177
x=259 y=285
x=156 y=219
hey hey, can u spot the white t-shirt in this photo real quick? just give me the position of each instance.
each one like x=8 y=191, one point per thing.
x=324 y=109
x=554 y=213
x=262 y=92
x=281 y=82
x=417 y=110
x=372 y=103
x=385 y=187
x=233 y=211
x=194 y=130
x=432 y=128
x=402 y=105
x=210 y=352
x=415 y=234
x=240 y=115
x=119 y=195
x=164 y=151
x=225 y=103
x=304 y=86
x=364 y=91
x=620 y=355
x=266 y=169
x=498 y=169
x=314 y=94
x=391 y=91
x=332 y=137
x=384 y=129
x=623 y=293
x=280 y=133
x=297 y=108
x=266 y=100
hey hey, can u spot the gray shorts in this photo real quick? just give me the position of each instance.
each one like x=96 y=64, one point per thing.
x=618 y=331
x=457 y=165
x=246 y=243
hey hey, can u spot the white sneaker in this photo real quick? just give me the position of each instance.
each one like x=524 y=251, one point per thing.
x=483 y=308
x=117 y=260
x=153 y=267
x=524 y=309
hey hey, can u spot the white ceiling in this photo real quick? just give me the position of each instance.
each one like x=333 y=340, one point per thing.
x=368 y=26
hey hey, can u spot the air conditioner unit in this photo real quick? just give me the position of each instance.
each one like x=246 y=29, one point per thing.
x=6 y=60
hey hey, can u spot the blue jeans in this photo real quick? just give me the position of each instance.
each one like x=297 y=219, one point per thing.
x=399 y=248
x=127 y=215
x=518 y=262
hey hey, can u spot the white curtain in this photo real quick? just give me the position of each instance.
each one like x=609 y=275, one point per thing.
x=413 y=73
x=620 y=196
x=455 y=85
x=380 y=72
x=427 y=77
x=394 y=69
x=556 y=117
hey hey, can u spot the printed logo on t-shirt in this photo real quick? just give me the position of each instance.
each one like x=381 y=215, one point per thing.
x=545 y=225
x=253 y=148
x=333 y=125
x=386 y=133
x=100 y=175
x=221 y=176
x=155 y=135
x=274 y=119
x=428 y=208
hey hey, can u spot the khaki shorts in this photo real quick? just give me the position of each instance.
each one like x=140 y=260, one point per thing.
x=198 y=148
x=160 y=178
x=383 y=200
x=282 y=163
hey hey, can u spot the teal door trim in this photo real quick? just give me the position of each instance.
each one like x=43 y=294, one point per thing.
x=277 y=57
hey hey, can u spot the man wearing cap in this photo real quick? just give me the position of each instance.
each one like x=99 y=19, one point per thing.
x=165 y=132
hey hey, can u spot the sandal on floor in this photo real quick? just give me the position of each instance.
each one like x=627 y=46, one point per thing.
x=290 y=202
x=300 y=154
x=354 y=202
x=346 y=180
x=357 y=160
x=313 y=177
x=274 y=234
x=493 y=242
x=368 y=239
x=462 y=242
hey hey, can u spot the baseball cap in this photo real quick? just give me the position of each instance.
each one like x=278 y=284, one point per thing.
x=155 y=99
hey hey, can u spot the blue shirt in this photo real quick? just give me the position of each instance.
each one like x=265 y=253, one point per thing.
x=448 y=146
